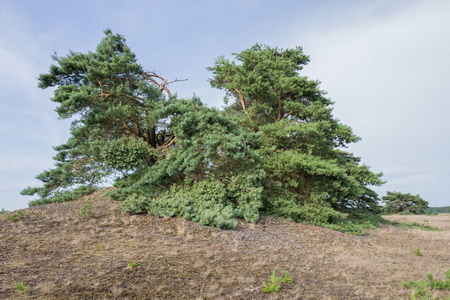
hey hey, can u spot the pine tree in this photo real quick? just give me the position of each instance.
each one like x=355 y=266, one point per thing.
x=397 y=202
x=275 y=149
x=114 y=103
x=306 y=168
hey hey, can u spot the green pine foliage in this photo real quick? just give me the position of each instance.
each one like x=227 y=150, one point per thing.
x=309 y=177
x=109 y=95
x=275 y=149
x=404 y=204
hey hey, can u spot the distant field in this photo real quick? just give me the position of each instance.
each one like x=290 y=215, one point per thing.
x=61 y=255
x=441 y=221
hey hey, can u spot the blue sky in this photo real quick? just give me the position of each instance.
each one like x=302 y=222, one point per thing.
x=385 y=65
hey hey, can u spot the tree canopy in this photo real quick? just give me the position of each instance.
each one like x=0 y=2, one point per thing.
x=397 y=202
x=275 y=149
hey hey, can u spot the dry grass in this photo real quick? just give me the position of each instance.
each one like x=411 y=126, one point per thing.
x=63 y=256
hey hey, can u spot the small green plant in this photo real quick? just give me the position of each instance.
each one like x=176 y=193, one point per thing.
x=15 y=215
x=86 y=210
x=422 y=289
x=273 y=285
x=3 y=211
x=21 y=287
x=418 y=252
x=286 y=278
x=132 y=265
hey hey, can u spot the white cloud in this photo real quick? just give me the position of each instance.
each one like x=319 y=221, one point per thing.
x=385 y=71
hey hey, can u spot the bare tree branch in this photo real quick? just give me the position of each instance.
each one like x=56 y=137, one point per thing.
x=162 y=85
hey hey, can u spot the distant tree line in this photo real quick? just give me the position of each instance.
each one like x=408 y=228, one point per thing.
x=440 y=210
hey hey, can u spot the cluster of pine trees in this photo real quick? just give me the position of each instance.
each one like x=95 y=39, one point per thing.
x=275 y=149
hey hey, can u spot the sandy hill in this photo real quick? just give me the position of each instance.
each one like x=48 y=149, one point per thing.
x=59 y=254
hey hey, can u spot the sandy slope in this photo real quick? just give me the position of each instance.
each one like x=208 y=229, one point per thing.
x=61 y=255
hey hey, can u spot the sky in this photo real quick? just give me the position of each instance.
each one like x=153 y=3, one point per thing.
x=385 y=64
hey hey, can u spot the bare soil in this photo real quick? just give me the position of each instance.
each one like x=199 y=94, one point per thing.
x=62 y=255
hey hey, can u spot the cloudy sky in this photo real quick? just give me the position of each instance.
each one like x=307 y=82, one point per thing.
x=385 y=64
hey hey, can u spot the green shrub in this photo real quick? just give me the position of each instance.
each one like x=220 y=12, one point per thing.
x=286 y=278
x=86 y=210
x=273 y=284
x=21 y=287
x=15 y=215
x=422 y=289
x=206 y=202
x=132 y=265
